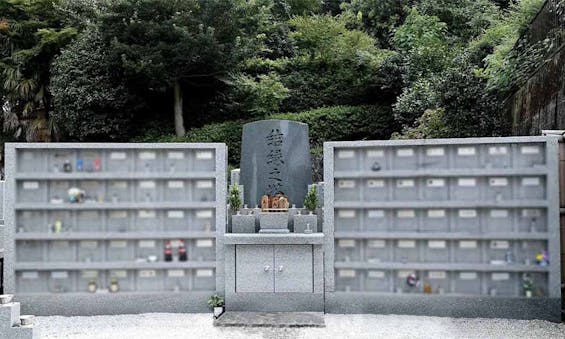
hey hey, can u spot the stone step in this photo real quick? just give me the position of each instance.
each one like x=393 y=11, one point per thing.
x=21 y=332
x=9 y=315
x=271 y=319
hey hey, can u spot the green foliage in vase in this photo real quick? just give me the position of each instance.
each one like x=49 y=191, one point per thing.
x=311 y=199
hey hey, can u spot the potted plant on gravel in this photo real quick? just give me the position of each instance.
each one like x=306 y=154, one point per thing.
x=308 y=223
x=216 y=302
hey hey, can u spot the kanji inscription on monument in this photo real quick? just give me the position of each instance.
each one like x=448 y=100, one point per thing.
x=272 y=152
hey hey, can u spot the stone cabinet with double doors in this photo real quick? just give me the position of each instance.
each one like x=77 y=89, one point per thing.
x=274 y=272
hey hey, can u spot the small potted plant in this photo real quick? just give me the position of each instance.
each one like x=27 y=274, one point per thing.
x=527 y=286
x=240 y=223
x=114 y=285
x=308 y=222
x=92 y=286
x=216 y=302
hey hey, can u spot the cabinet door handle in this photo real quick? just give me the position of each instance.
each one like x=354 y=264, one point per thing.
x=267 y=268
x=281 y=268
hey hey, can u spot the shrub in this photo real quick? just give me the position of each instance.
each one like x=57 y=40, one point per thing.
x=325 y=124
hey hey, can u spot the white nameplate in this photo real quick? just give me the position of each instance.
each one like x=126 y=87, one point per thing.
x=175 y=243
x=435 y=182
x=499 y=213
x=375 y=153
x=147 y=243
x=500 y=276
x=89 y=214
x=345 y=154
x=468 y=275
x=346 y=183
x=119 y=274
x=535 y=181
x=118 y=155
x=497 y=150
x=175 y=214
x=147 y=274
x=499 y=244
x=405 y=152
x=346 y=243
x=60 y=275
x=531 y=213
x=147 y=184
x=406 y=243
x=375 y=183
x=405 y=183
x=119 y=184
x=468 y=244
x=204 y=214
x=376 y=274
x=406 y=213
x=467 y=182
x=175 y=273
x=175 y=155
x=175 y=184
x=30 y=185
x=404 y=274
x=204 y=273
x=89 y=244
x=30 y=275
x=204 y=184
x=346 y=213
x=530 y=150
x=61 y=244
x=437 y=275
x=90 y=185
x=436 y=213
x=147 y=155
x=498 y=182
x=60 y=184
x=89 y=274
x=376 y=244
x=118 y=214
x=145 y=214
x=467 y=213
x=203 y=155
x=465 y=151
x=436 y=244
x=204 y=243
x=347 y=273
x=435 y=152
x=376 y=214
x=118 y=243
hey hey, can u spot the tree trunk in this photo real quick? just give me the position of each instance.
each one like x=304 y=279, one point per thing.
x=179 y=120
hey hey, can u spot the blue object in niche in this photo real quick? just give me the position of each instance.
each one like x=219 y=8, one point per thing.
x=80 y=165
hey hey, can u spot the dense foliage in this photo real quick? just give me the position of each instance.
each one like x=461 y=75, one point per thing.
x=196 y=70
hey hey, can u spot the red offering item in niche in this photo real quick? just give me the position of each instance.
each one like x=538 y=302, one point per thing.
x=97 y=165
x=168 y=251
x=182 y=251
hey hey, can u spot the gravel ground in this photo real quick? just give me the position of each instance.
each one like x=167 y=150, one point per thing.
x=163 y=325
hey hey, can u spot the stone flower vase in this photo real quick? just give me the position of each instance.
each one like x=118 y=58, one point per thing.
x=301 y=222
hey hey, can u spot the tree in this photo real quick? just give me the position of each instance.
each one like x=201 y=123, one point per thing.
x=92 y=103
x=31 y=35
x=331 y=65
x=173 y=45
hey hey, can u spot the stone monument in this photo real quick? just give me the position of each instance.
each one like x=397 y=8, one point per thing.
x=275 y=159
